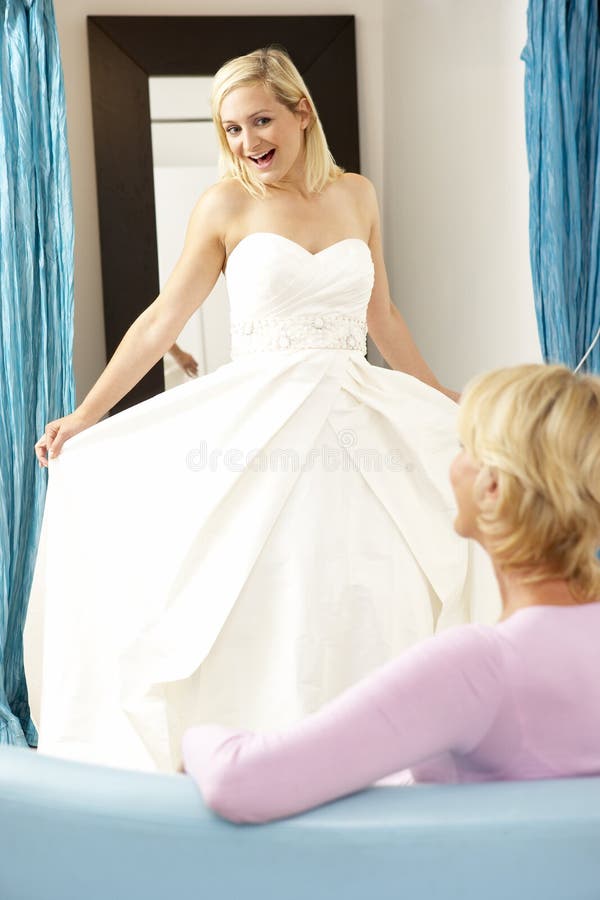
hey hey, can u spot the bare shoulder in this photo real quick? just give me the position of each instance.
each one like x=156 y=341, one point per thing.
x=360 y=186
x=228 y=193
x=218 y=205
x=363 y=195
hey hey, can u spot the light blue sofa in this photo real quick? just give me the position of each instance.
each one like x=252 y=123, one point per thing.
x=77 y=832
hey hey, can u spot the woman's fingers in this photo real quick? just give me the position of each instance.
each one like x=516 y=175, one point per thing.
x=41 y=452
x=48 y=445
x=57 y=432
x=58 y=436
x=51 y=432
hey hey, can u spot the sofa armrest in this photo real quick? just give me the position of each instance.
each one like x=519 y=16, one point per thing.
x=70 y=831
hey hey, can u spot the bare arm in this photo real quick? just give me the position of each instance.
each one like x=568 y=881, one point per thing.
x=384 y=321
x=156 y=329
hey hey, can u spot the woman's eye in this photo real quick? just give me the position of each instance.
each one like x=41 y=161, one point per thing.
x=230 y=129
x=263 y=119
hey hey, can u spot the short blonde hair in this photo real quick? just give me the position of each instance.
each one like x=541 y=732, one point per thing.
x=537 y=427
x=273 y=68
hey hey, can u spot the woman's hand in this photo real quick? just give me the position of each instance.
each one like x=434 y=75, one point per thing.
x=184 y=360
x=57 y=432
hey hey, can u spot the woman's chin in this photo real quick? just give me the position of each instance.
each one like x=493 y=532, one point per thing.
x=461 y=528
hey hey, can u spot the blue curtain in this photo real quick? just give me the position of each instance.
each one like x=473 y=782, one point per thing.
x=562 y=111
x=36 y=315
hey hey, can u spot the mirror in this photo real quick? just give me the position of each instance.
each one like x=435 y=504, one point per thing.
x=125 y=53
x=184 y=153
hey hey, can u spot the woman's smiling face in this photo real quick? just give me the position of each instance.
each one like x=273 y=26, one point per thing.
x=257 y=125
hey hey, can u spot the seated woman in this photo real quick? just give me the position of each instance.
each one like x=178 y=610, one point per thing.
x=518 y=700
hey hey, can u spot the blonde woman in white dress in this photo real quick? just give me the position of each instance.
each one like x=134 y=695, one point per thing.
x=313 y=538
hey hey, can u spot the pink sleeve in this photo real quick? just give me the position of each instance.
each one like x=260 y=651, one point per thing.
x=441 y=695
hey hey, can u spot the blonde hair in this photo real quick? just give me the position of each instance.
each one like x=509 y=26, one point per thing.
x=273 y=68
x=537 y=428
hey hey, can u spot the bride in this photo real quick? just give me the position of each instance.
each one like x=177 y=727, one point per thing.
x=246 y=546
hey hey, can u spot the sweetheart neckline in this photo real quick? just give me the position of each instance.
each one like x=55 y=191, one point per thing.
x=294 y=243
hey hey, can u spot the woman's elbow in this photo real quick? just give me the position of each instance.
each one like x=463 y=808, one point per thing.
x=225 y=795
x=218 y=797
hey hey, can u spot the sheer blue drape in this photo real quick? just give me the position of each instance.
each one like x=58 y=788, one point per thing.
x=36 y=315
x=562 y=109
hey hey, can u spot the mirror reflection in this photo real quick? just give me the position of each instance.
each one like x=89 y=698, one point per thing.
x=185 y=152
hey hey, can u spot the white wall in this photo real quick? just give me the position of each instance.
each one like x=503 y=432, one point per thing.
x=441 y=137
x=456 y=182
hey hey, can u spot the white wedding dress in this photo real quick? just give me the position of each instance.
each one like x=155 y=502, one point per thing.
x=242 y=548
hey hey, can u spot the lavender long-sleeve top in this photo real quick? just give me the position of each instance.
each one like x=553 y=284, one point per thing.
x=518 y=700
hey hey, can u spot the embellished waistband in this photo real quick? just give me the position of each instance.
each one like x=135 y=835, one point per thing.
x=328 y=331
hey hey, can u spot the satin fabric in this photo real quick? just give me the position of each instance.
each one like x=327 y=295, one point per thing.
x=562 y=109
x=36 y=321
x=242 y=548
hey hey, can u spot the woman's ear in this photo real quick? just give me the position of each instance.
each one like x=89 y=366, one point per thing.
x=304 y=111
x=489 y=483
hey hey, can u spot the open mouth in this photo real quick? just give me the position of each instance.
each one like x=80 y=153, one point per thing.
x=263 y=160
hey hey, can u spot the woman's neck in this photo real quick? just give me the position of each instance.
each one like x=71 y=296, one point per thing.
x=516 y=594
x=294 y=180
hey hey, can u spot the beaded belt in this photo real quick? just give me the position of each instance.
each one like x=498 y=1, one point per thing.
x=331 y=331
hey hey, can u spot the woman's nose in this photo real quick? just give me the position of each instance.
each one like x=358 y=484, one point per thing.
x=251 y=143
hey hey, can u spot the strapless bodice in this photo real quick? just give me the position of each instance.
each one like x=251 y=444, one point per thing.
x=283 y=297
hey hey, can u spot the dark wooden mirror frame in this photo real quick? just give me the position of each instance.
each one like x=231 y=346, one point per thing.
x=124 y=52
